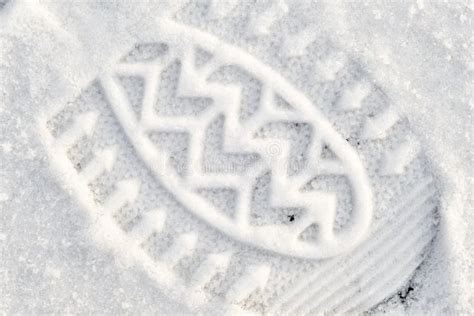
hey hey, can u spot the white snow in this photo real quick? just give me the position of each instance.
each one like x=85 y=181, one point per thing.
x=421 y=53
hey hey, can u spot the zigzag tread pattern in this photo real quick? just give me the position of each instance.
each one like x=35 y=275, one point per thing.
x=244 y=117
x=125 y=193
x=253 y=130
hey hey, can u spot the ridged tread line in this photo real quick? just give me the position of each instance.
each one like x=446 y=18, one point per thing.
x=377 y=269
x=380 y=236
x=365 y=248
x=335 y=280
x=375 y=295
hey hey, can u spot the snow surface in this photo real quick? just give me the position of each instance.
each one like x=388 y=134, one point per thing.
x=420 y=52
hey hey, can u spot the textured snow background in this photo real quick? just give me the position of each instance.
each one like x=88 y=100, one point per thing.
x=420 y=52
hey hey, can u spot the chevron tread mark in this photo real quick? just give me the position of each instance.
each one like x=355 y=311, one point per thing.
x=228 y=185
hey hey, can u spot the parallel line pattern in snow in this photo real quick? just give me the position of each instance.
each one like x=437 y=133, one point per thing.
x=372 y=275
x=310 y=290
